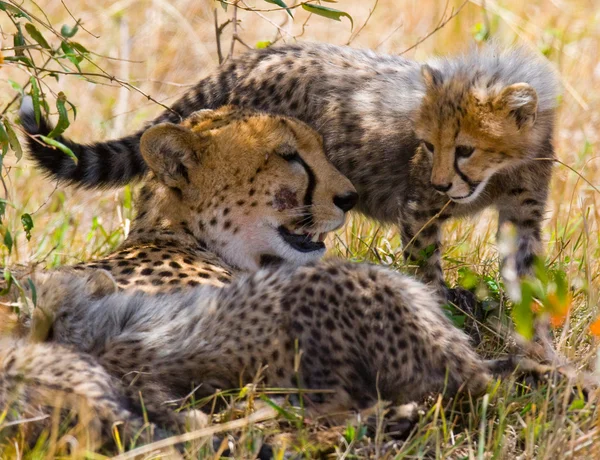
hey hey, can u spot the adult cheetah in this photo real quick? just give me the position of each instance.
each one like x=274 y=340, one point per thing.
x=226 y=191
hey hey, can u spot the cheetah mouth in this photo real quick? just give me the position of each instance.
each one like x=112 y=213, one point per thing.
x=303 y=242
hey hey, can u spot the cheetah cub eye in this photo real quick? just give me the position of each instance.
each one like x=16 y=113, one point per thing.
x=429 y=146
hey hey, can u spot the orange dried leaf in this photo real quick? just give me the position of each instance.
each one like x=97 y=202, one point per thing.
x=558 y=309
x=595 y=327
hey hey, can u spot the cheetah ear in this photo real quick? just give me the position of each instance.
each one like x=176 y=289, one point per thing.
x=100 y=283
x=169 y=151
x=431 y=77
x=518 y=101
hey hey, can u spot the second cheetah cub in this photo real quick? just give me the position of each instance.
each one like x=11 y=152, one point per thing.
x=364 y=333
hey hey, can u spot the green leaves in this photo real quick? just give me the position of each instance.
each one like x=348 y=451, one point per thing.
x=8 y=241
x=13 y=10
x=13 y=140
x=71 y=54
x=27 y=223
x=67 y=31
x=60 y=146
x=35 y=97
x=282 y=4
x=263 y=44
x=63 y=117
x=327 y=12
x=3 y=140
x=36 y=35
x=522 y=313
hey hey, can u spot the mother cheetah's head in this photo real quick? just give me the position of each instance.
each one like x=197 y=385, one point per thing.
x=253 y=187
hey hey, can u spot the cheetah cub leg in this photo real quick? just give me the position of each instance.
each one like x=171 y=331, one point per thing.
x=397 y=421
x=421 y=241
x=53 y=288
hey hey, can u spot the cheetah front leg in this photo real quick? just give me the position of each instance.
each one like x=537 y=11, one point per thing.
x=525 y=210
x=421 y=241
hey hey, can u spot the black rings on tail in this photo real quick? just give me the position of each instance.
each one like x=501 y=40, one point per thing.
x=103 y=164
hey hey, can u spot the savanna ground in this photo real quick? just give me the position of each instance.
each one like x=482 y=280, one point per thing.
x=159 y=48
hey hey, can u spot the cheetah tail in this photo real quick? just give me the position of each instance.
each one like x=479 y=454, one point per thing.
x=99 y=165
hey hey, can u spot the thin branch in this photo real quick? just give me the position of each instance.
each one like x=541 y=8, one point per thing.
x=441 y=25
x=279 y=28
x=77 y=21
x=234 y=33
x=357 y=33
x=218 y=31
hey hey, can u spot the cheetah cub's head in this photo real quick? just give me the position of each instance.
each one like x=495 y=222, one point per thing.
x=254 y=188
x=471 y=126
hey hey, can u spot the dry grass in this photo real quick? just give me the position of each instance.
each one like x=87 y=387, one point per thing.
x=162 y=47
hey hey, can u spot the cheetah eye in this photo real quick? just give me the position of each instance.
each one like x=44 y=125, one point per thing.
x=291 y=157
x=429 y=146
x=463 y=151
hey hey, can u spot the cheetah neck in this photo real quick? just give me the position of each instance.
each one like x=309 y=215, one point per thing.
x=163 y=220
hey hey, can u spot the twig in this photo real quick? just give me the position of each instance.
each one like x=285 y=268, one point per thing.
x=441 y=25
x=77 y=21
x=279 y=28
x=234 y=33
x=387 y=37
x=356 y=34
x=434 y=217
x=218 y=31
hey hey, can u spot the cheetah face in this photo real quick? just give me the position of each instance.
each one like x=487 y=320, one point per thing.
x=253 y=187
x=470 y=130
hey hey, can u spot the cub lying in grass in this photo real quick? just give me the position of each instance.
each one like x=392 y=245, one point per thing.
x=357 y=332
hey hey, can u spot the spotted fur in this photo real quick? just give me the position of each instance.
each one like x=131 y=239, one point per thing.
x=357 y=332
x=376 y=114
x=221 y=188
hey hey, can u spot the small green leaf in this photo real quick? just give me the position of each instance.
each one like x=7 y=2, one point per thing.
x=3 y=140
x=19 y=41
x=79 y=47
x=8 y=279
x=13 y=140
x=60 y=146
x=35 y=97
x=36 y=35
x=327 y=12
x=224 y=5
x=522 y=313
x=8 y=241
x=33 y=292
x=23 y=59
x=71 y=55
x=16 y=12
x=577 y=404
x=263 y=44
x=282 y=4
x=14 y=85
x=67 y=31
x=63 y=117
x=27 y=222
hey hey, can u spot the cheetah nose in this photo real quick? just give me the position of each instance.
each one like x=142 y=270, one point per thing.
x=443 y=188
x=346 y=202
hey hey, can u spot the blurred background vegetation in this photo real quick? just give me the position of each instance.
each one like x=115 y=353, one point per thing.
x=112 y=65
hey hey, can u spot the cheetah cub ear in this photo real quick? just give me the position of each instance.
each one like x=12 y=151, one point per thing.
x=170 y=151
x=520 y=102
x=100 y=283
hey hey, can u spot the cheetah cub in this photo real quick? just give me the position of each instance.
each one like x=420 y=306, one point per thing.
x=361 y=333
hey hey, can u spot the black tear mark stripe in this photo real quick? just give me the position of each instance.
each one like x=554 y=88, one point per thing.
x=307 y=217
x=463 y=176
